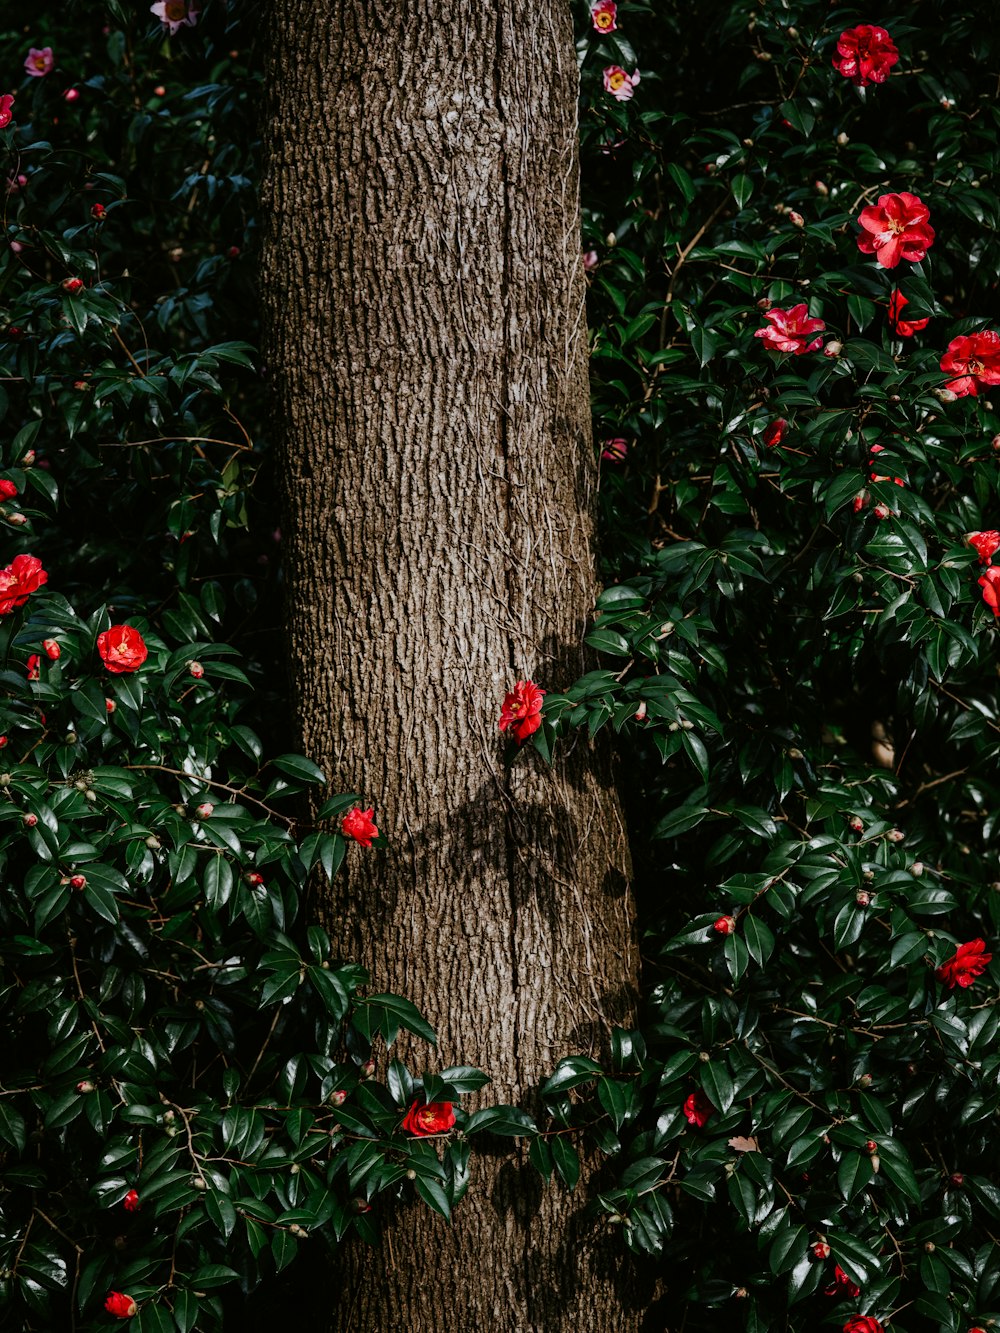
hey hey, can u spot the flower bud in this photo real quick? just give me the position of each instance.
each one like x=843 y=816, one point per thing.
x=917 y=869
x=945 y=395
x=17 y=520
x=863 y=898
x=98 y=212
x=368 y=1069
x=871 y=1146
x=833 y=348
x=865 y=1081
x=205 y=810
x=725 y=925
x=131 y=1202
x=109 y=705
x=78 y=881
x=296 y=1230
x=152 y=842
x=821 y=1250
x=361 y=1205
x=957 y=1179
x=337 y=1098
x=821 y=188
x=843 y=139
x=85 y=1085
x=855 y=823
x=196 y=669
x=29 y=820
x=796 y=219
x=52 y=649
x=71 y=95
x=895 y=835
x=199 y=1183
x=72 y=285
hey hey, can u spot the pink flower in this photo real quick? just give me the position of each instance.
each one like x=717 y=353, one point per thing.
x=895 y=228
x=615 y=451
x=903 y=328
x=39 y=63
x=865 y=55
x=975 y=360
x=174 y=14
x=357 y=824
x=774 y=433
x=790 y=330
x=6 y=112
x=985 y=544
x=991 y=594
x=620 y=85
x=521 y=710
x=969 y=959
x=603 y=15
x=590 y=260
x=698 y=1109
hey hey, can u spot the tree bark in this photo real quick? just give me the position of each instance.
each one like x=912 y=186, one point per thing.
x=426 y=343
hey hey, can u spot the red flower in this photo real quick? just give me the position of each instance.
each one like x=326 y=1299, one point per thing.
x=903 y=328
x=725 y=925
x=603 y=15
x=98 y=212
x=615 y=451
x=896 y=228
x=6 y=114
x=23 y=576
x=863 y=1323
x=131 y=1202
x=52 y=649
x=122 y=649
x=985 y=544
x=975 y=360
x=991 y=594
x=842 y=1285
x=119 y=1304
x=969 y=961
x=196 y=669
x=821 y=1250
x=521 y=710
x=357 y=824
x=72 y=285
x=775 y=432
x=434 y=1118
x=7 y=490
x=698 y=1108
x=790 y=330
x=875 y=476
x=865 y=54
x=34 y=667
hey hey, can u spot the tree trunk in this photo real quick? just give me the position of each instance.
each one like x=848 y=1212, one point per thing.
x=426 y=340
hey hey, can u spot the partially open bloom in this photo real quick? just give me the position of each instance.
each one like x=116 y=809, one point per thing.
x=23 y=576
x=774 y=433
x=174 y=14
x=434 y=1118
x=34 y=667
x=863 y=1323
x=196 y=669
x=603 y=15
x=974 y=361
x=725 y=925
x=521 y=710
x=119 y=1304
x=131 y=1202
x=615 y=451
x=969 y=961
x=842 y=1285
x=620 y=85
x=865 y=54
x=875 y=450
x=985 y=544
x=895 y=228
x=903 y=328
x=791 y=330
x=52 y=650
x=122 y=649
x=6 y=110
x=39 y=62
x=7 y=490
x=990 y=584
x=820 y=1250
x=697 y=1108
x=357 y=824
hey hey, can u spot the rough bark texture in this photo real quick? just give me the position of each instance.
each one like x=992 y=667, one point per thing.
x=423 y=296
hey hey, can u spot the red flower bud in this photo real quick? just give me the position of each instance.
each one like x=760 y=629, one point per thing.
x=131 y=1202
x=117 y=1303
x=196 y=669
x=3 y=742
x=337 y=1098
x=361 y=1205
x=871 y=1146
x=85 y=1085
x=863 y=898
x=725 y=925
x=821 y=1250
x=72 y=285
x=255 y=880
x=205 y=810
x=856 y=823
x=78 y=881
x=52 y=649
x=368 y=1069
x=29 y=820
x=98 y=212
x=957 y=1179
x=109 y=705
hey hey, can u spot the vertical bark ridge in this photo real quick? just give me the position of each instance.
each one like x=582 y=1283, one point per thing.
x=423 y=296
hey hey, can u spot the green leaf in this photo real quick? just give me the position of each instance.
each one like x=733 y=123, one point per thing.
x=565 y=1160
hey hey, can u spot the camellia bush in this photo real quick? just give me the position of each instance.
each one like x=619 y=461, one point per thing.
x=790 y=232
x=791 y=236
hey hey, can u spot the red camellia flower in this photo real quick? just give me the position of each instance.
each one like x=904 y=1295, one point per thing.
x=521 y=710
x=52 y=649
x=863 y=1323
x=969 y=962
x=98 y=212
x=865 y=54
x=842 y=1285
x=119 y=1304
x=791 y=330
x=904 y=328
x=991 y=591
x=434 y=1118
x=7 y=490
x=985 y=544
x=615 y=451
x=895 y=228
x=6 y=110
x=603 y=15
x=820 y=1250
x=131 y=1202
x=34 y=667
x=357 y=824
x=698 y=1108
x=974 y=360
x=725 y=925
x=23 y=576
x=72 y=285
x=122 y=649
x=775 y=432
